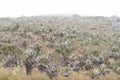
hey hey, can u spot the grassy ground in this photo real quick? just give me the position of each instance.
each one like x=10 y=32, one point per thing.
x=36 y=75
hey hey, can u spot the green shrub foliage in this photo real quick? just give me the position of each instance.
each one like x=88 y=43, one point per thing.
x=8 y=49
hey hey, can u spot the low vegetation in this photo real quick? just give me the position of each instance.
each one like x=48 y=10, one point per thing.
x=8 y=49
x=60 y=48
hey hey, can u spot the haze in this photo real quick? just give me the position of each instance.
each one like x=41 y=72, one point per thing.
x=17 y=8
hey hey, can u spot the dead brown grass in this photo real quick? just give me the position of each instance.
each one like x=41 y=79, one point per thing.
x=36 y=75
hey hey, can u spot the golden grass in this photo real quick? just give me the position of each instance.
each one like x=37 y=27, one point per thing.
x=36 y=75
x=111 y=60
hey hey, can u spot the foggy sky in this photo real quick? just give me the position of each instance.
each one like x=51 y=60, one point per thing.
x=17 y=8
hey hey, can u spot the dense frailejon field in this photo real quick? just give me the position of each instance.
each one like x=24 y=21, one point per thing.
x=60 y=48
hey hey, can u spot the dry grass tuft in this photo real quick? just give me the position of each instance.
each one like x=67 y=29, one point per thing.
x=36 y=75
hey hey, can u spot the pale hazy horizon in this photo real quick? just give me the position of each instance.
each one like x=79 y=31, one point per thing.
x=17 y=8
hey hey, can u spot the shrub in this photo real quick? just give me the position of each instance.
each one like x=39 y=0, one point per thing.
x=8 y=49
x=58 y=50
x=64 y=51
x=94 y=52
x=107 y=64
x=96 y=40
x=115 y=49
x=117 y=63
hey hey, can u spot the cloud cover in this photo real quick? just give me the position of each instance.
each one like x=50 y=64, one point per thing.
x=16 y=8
